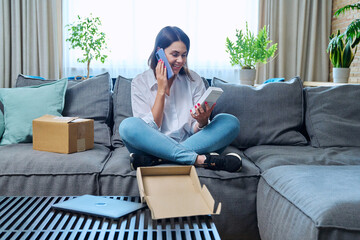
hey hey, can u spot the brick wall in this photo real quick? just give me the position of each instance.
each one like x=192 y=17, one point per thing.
x=341 y=23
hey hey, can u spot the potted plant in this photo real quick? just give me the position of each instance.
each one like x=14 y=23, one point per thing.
x=341 y=55
x=342 y=47
x=248 y=50
x=84 y=34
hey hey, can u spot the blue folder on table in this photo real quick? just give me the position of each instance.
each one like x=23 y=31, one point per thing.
x=99 y=206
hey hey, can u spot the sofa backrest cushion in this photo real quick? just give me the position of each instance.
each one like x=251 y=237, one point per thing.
x=121 y=106
x=23 y=105
x=89 y=98
x=333 y=116
x=270 y=114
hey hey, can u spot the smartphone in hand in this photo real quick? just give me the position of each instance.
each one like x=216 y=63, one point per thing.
x=160 y=54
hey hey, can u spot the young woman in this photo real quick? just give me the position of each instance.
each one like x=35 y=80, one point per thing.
x=164 y=127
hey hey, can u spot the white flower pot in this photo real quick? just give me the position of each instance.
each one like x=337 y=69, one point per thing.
x=341 y=75
x=247 y=76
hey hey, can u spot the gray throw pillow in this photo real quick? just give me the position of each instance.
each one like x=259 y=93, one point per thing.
x=206 y=83
x=89 y=98
x=333 y=116
x=270 y=114
x=25 y=81
x=121 y=106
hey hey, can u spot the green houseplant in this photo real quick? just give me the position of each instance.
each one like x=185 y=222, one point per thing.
x=248 y=50
x=341 y=52
x=352 y=31
x=84 y=34
x=342 y=47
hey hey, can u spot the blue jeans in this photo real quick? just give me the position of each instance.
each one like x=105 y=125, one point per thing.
x=142 y=139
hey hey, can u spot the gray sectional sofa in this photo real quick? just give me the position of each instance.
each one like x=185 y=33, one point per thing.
x=300 y=150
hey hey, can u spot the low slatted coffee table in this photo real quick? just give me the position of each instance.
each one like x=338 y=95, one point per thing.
x=33 y=218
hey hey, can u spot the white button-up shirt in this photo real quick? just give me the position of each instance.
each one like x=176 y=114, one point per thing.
x=177 y=122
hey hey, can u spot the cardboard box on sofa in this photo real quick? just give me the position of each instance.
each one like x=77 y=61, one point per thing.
x=63 y=134
x=174 y=191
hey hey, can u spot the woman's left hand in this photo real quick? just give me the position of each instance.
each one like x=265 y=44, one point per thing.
x=202 y=115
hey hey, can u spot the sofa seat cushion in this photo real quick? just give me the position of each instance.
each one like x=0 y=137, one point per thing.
x=309 y=202
x=119 y=165
x=25 y=171
x=233 y=190
x=117 y=177
x=269 y=156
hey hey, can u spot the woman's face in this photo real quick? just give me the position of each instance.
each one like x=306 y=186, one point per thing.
x=176 y=54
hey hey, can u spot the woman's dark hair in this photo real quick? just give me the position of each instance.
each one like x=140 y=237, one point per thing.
x=165 y=38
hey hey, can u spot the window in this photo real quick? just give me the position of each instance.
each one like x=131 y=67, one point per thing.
x=131 y=28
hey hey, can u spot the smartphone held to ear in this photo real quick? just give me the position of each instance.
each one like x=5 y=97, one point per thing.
x=160 y=54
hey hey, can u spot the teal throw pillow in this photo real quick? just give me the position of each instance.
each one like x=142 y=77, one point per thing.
x=22 y=105
x=2 y=124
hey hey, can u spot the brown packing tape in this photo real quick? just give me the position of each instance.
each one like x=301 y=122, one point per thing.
x=72 y=138
x=81 y=145
x=81 y=133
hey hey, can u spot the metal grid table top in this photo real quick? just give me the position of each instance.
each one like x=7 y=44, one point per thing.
x=33 y=218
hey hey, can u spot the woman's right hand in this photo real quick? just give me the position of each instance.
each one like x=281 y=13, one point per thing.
x=163 y=88
x=161 y=77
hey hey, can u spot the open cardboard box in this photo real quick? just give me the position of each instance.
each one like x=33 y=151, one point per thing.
x=63 y=134
x=174 y=191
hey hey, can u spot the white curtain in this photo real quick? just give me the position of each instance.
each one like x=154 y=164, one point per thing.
x=301 y=28
x=30 y=39
x=131 y=28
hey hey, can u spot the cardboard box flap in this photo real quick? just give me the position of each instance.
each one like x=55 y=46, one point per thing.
x=178 y=205
x=210 y=201
x=161 y=173
x=146 y=181
x=76 y=120
x=174 y=192
x=164 y=171
x=51 y=118
x=140 y=185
